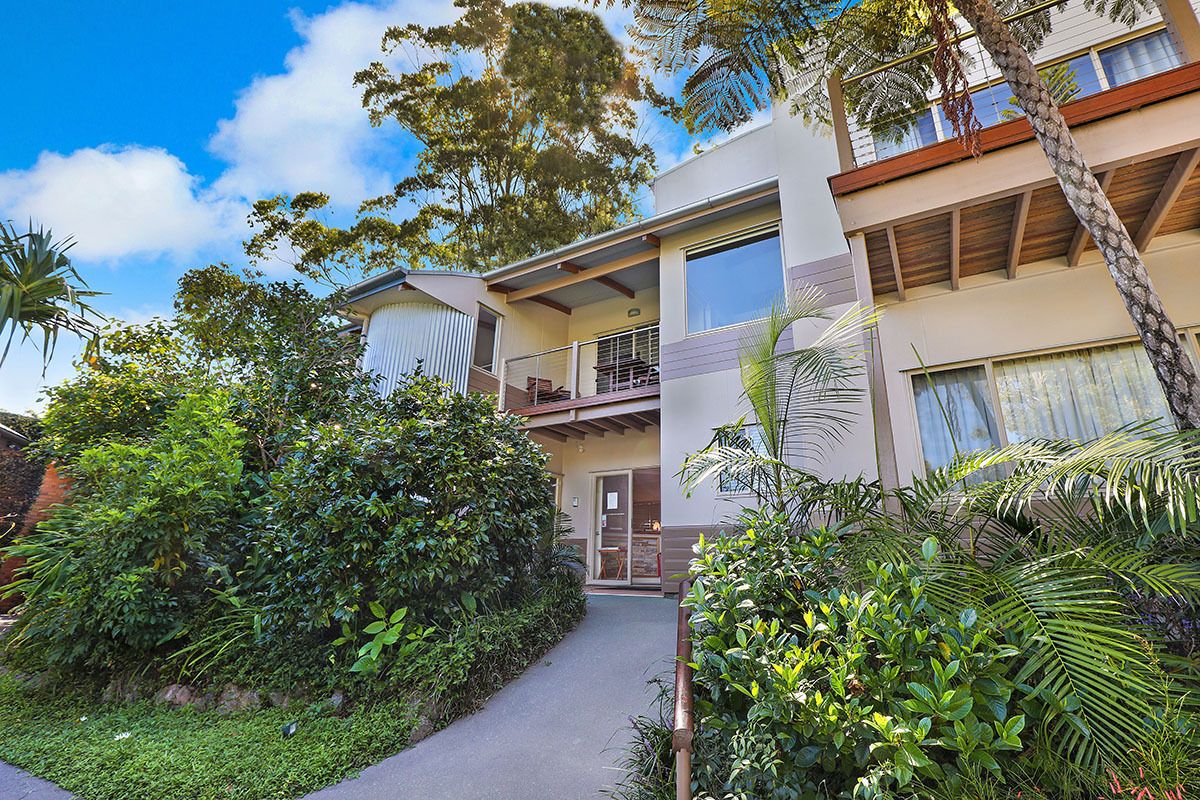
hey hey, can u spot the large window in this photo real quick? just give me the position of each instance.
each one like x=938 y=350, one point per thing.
x=734 y=281
x=1079 y=394
x=1139 y=58
x=487 y=340
x=748 y=437
x=920 y=132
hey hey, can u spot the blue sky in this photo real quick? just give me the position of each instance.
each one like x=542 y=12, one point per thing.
x=145 y=132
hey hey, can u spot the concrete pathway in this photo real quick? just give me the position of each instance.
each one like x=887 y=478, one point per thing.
x=552 y=734
x=555 y=733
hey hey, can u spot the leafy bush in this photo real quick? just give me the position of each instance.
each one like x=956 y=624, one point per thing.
x=819 y=692
x=121 y=569
x=431 y=502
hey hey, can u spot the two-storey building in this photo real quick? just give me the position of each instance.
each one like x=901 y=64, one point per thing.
x=621 y=350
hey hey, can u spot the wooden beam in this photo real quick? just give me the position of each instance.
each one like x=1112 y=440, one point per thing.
x=955 y=247
x=567 y=266
x=891 y=237
x=500 y=287
x=652 y=240
x=550 y=434
x=1081 y=238
x=616 y=286
x=1172 y=187
x=590 y=427
x=546 y=301
x=646 y=418
x=560 y=429
x=586 y=275
x=1016 y=233
x=612 y=424
x=633 y=422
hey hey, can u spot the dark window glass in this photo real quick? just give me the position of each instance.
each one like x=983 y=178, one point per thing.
x=487 y=329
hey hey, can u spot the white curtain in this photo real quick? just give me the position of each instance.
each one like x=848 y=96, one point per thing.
x=953 y=409
x=1140 y=58
x=1079 y=395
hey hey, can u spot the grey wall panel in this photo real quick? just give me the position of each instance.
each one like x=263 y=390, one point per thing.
x=834 y=276
x=401 y=334
x=677 y=552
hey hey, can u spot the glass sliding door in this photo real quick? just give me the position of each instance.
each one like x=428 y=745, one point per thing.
x=613 y=528
x=645 y=553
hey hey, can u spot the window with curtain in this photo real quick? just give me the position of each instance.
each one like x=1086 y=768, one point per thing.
x=1139 y=58
x=918 y=133
x=954 y=413
x=1080 y=394
x=733 y=282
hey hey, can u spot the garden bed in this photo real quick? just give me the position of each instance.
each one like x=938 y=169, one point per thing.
x=123 y=751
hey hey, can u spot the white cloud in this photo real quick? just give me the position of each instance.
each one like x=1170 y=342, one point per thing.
x=119 y=201
x=305 y=128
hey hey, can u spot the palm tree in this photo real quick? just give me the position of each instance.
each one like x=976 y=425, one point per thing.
x=40 y=288
x=741 y=53
x=801 y=401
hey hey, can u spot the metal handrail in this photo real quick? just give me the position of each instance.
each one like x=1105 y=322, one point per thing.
x=597 y=340
x=685 y=721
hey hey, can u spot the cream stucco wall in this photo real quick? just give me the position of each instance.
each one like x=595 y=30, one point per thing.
x=1048 y=306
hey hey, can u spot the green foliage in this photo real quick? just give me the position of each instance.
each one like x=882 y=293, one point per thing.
x=647 y=763
x=803 y=400
x=40 y=289
x=819 y=691
x=429 y=496
x=171 y=754
x=118 y=571
x=385 y=632
x=65 y=736
x=526 y=116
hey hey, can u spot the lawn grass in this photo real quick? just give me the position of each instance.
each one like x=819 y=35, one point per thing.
x=181 y=754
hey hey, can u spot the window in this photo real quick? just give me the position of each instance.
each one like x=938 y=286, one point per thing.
x=734 y=282
x=1068 y=80
x=748 y=437
x=1079 y=394
x=954 y=413
x=918 y=133
x=487 y=340
x=1139 y=58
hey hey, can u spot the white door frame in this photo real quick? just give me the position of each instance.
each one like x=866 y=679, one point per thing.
x=594 y=529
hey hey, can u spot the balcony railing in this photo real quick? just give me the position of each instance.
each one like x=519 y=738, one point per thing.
x=1085 y=54
x=610 y=364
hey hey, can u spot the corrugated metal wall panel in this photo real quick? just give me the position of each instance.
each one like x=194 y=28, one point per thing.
x=402 y=334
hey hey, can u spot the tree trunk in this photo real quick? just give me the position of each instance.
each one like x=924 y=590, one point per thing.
x=1174 y=368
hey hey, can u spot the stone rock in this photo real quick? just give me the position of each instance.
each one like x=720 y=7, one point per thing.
x=234 y=699
x=179 y=695
x=279 y=699
x=127 y=689
x=425 y=728
x=337 y=702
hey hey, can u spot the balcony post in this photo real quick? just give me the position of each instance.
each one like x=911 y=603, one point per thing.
x=573 y=377
x=503 y=381
x=1183 y=27
x=838 y=119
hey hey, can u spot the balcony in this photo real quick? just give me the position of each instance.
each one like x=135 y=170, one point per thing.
x=605 y=385
x=931 y=218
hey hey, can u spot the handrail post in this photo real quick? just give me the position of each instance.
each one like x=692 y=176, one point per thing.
x=841 y=126
x=503 y=382
x=685 y=723
x=573 y=377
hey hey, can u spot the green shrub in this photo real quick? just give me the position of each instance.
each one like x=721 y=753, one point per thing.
x=431 y=501
x=813 y=691
x=122 y=568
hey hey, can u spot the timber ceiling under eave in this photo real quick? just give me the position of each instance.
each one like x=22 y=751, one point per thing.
x=1154 y=197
